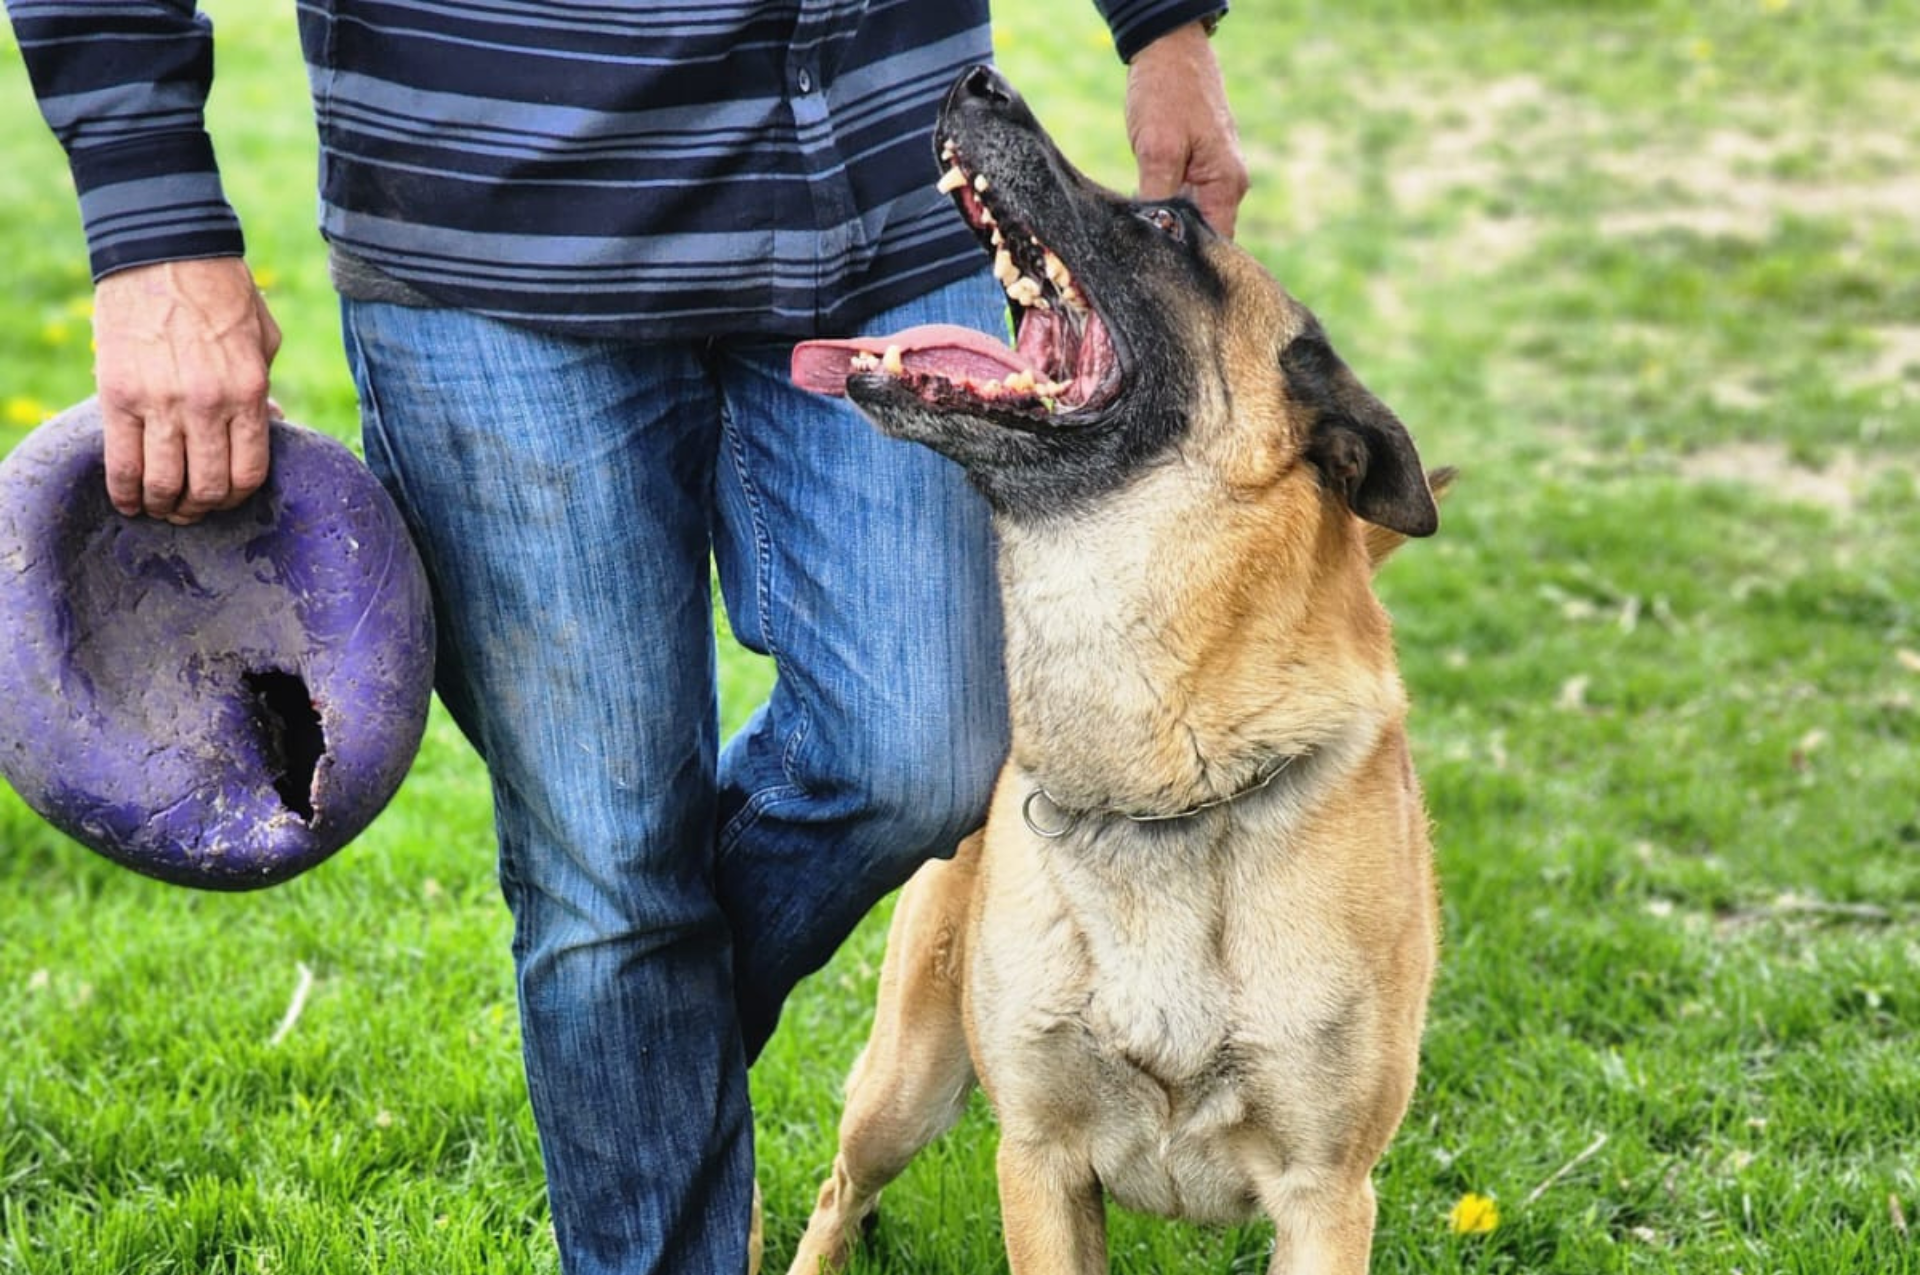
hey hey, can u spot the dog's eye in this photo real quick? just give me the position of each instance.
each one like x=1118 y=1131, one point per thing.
x=1166 y=221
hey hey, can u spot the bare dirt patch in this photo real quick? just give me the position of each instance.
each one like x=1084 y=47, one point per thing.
x=1772 y=468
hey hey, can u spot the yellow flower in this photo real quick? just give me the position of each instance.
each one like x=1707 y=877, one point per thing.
x=80 y=308
x=55 y=332
x=265 y=277
x=24 y=411
x=1473 y=1215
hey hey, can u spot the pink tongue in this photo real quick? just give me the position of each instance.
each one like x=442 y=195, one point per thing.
x=942 y=349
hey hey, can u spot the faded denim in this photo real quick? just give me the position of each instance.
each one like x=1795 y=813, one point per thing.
x=668 y=888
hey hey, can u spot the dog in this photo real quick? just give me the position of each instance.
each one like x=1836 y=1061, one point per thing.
x=1189 y=955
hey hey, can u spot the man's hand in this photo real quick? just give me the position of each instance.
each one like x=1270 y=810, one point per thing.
x=1181 y=128
x=182 y=350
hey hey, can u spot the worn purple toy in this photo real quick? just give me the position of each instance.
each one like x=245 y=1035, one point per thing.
x=222 y=705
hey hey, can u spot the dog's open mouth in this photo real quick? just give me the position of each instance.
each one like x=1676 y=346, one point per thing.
x=1062 y=363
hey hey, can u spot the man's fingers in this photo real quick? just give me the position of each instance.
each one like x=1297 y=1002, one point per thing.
x=163 y=455
x=209 y=477
x=247 y=450
x=1162 y=159
x=1219 y=199
x=125 y=440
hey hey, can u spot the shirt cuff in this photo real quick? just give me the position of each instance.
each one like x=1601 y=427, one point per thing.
x=153 y=199
x=1136 y=26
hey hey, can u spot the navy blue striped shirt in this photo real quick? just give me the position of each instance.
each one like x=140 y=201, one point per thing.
x=619 y=168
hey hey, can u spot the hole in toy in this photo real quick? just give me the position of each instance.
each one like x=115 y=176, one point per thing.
x=290 y=729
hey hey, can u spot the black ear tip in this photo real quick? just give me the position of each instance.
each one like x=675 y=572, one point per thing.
x=1416 y=517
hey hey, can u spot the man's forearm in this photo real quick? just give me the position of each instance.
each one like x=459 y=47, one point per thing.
x=124 y=88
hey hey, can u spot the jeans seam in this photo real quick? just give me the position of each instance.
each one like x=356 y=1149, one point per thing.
x=763 y=596
x=370 y=405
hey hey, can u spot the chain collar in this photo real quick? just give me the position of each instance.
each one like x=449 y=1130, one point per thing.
x=1034 y=809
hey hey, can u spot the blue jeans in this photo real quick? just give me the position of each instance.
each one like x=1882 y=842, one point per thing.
x=668 y=890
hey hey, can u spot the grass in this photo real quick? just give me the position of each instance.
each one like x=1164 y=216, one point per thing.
x=1646 y=272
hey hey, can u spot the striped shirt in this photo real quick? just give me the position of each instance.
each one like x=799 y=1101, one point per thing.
x=621 y=168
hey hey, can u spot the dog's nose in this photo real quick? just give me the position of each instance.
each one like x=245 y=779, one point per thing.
x=985 y=82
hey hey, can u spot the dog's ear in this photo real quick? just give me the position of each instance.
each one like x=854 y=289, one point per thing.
x=1356 y=442
x=1381 y=542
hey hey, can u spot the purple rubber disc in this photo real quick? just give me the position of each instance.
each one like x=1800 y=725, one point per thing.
x=222 y=705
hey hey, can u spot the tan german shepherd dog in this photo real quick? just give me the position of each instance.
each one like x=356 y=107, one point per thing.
x=1188 y=957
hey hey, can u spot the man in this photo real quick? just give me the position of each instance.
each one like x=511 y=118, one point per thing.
x=575 y=245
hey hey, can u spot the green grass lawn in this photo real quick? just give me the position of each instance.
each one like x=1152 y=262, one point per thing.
x=1648 y=273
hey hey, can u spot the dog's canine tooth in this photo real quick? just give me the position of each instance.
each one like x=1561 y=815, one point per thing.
x=980 y=183
x=892 y=362
x=1003 y=268
x=951 y=180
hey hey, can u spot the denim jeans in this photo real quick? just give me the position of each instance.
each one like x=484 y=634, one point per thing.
x=668 y=889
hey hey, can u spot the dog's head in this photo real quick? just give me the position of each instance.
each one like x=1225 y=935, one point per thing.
x=1140 y=334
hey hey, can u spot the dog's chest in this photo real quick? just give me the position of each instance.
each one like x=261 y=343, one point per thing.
x=1123 y=1022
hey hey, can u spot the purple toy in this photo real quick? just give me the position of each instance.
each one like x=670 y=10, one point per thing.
x=222 y=705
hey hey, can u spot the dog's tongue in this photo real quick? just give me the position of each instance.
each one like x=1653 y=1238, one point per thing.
x=958 y=354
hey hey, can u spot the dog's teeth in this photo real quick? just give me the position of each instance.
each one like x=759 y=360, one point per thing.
x=1057 y=272
x=951 y=180
x=999 y=240
x=863 y=362
x=892 y=362
x=980 y=183
x=947 y=152
x=1021 y=382
x=1003 y=268
x=1025 y=290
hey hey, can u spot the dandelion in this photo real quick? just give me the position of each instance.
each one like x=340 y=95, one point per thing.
x=265 y=278
x=55 y=332
x=25 y=412
x=1473 y=1215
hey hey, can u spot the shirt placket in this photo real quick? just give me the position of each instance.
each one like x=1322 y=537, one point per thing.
x=835 y=216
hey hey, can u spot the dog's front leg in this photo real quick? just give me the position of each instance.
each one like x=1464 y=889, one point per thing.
x=1326 y=1231
x=1052 y=1209
x=912 y=1080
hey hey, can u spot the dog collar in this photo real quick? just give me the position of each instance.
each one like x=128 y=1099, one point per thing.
x=1034 y=810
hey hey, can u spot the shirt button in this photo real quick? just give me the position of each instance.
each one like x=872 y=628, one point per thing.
x=805 y=81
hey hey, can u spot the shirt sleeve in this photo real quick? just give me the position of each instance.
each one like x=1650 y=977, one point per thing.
x=1137 y=23
x=124 y=88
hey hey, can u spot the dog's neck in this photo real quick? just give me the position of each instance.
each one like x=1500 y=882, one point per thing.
x=1159 y=669
x=1046 y=817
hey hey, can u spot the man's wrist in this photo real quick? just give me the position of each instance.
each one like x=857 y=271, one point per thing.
x=1189 y=40
x=1189 y=20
